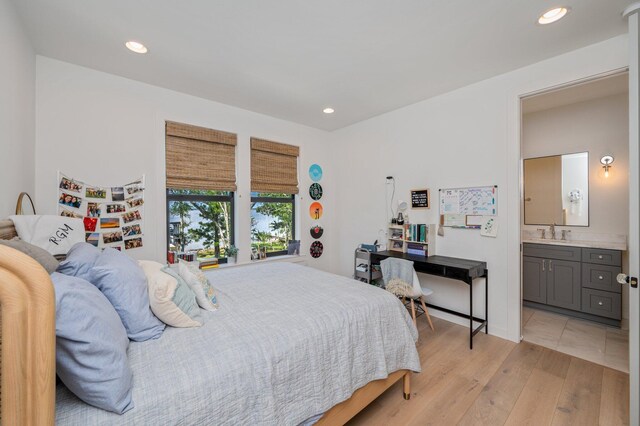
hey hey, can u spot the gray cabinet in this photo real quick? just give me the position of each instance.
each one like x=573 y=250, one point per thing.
x=573 y=280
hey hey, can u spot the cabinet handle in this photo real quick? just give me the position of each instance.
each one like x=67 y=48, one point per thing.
x=600 y=257
x=600 y=303
x=551 y=266
x=600 y=277
x=543 y=265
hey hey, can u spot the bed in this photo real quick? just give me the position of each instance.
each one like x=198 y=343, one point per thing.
x=289 y=345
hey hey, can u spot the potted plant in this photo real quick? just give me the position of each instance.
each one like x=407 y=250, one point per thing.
x=232 y=253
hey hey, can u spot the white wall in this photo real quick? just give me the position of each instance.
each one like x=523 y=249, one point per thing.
x=106 y=130
x=600 y=127
x=17 y=110
x=467 y=137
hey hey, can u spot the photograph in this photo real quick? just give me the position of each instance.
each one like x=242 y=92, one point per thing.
x=116 y=208
x=70 y=185
x=93 y=209
x=70 y=200
x=133 y=243
x=96 y=193
x=90 y=223
x=135 y=202
x=67 y=213
x=131 y=216
x=117 y=193
x=93 y=238
x=131 y=230
x=134 y=188
x=112 y=237
x=109 y=222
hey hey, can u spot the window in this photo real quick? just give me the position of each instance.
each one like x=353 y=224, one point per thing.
x=272 y=222
x=201 y=180
x=200 y=221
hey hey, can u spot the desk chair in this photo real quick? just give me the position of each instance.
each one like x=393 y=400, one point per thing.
x=417 y=292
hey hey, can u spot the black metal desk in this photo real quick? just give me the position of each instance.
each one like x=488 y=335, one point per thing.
x=449 y=267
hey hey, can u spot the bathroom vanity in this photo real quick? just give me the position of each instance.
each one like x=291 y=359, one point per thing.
x=577 y=280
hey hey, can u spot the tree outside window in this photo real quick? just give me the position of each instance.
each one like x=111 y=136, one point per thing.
x=272 y=222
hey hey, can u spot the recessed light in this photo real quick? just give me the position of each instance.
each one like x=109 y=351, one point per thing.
x=553 y=15
x=135 y=46
x=328 y=110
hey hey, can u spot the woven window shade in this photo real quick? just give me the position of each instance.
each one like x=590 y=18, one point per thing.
x=274 y=167
x=200 y=158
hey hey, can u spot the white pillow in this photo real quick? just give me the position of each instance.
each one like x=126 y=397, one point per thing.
x=55 y=234
x=197 y=281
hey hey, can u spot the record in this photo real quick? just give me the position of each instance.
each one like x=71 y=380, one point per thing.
x=316 y=249
x=316 y=231
x=315 y=191
x=315 y=210
x=315 y=172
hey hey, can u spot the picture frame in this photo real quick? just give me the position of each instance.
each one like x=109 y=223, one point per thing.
x=421 y=198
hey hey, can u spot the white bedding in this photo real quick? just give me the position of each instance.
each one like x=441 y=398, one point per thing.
x=287 y=343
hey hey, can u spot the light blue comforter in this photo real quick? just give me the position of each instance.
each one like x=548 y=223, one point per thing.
x=287 y=343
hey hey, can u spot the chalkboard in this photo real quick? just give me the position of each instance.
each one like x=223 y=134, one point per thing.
x=420 y=199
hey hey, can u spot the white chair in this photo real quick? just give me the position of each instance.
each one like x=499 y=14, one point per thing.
x=420 y=293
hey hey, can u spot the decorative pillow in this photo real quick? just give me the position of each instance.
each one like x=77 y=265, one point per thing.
x=55 y=234
x=197 y=281
x=79 y=261
x=43 y=257
x=171 y=299
x=120 y=278
x=91 y=345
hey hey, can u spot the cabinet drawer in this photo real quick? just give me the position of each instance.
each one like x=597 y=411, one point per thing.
x=549 y=251
x=601 y=277
x=603 y=303
x=602 y=256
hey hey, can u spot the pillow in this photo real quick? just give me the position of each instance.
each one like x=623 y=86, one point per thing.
x=197 y=281
x=120 y=278
x=91 y=345
x=43 y=257
x=171 y=299
x=79 y=261
x=55 y=234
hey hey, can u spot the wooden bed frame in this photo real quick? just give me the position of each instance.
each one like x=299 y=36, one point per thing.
x=27 y=347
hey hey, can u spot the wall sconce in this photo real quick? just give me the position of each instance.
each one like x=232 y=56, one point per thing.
x=606 y=164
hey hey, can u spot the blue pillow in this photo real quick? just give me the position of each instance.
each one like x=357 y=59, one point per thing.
x=91 y=345
x=79 y=261
x=120 y=278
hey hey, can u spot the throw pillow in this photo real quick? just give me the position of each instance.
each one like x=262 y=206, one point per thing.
x=171 y=299
x=79 y=261
x=40 y=255
x=91 y=345
x=55 y=234
x=120 y=278
x=197 y=281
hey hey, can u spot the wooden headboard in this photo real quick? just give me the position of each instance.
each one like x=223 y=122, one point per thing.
x=27 y=338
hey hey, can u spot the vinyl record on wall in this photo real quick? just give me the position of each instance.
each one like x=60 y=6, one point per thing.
x=315 y=172
x=316 y=249
x=315 y=191
x=315 y=210
x=316 y=231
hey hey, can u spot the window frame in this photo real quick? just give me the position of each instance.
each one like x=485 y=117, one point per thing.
x=205 y=199
x=290 y=200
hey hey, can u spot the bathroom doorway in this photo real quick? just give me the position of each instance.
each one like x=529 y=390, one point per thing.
x=575 y=218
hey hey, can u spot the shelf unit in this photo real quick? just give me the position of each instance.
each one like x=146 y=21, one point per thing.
x=398 y=238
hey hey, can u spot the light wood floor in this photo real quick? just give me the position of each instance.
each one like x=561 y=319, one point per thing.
x=500 y=382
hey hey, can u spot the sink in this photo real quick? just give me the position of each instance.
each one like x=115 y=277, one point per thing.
x=611 y=245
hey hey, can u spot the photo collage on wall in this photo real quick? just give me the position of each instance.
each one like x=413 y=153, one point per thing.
x=113 y=216
x=316 y=210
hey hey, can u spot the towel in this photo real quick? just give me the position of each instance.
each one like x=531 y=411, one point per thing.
x=397 y=268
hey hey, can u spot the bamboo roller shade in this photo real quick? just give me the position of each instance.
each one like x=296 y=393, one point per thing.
x=274 y=167
x=200 y=158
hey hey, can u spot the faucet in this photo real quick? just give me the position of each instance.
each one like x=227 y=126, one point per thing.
x=552 y=228
x=565 y=233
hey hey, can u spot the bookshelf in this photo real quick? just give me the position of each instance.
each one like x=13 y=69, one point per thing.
x=414 y=238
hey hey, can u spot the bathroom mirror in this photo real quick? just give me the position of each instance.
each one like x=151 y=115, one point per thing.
x=556 y=190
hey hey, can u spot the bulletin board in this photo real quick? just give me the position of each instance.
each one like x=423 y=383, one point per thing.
x=468 y=207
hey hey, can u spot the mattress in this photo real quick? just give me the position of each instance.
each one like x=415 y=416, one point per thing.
x=287 y=343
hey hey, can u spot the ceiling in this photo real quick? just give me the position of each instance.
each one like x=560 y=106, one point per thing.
x=595 y=89
x=290 y=58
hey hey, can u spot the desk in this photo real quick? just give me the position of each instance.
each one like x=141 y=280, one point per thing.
x=449 y=267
